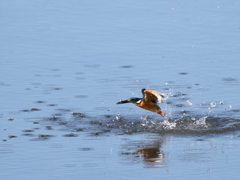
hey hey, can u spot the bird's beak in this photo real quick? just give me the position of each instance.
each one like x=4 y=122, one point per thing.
x=125 y=101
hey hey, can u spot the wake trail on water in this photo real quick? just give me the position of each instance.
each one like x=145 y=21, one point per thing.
x=183 y=117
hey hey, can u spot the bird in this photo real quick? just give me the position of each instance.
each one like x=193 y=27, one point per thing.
x=148 y=101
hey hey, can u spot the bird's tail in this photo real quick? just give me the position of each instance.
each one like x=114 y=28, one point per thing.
x=161 y=113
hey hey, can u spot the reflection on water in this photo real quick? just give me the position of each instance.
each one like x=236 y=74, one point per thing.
x=147 y=152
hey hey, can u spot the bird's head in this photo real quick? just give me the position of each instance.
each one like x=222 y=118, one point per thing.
x=134 y=100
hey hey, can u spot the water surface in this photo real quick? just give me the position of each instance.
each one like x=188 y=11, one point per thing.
x=65 y=64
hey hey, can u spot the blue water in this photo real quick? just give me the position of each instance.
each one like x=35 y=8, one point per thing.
x=65 y=64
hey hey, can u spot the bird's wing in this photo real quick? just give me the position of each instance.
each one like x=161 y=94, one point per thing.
x=153 y=96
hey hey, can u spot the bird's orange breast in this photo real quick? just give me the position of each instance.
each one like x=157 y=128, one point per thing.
x=148 y=106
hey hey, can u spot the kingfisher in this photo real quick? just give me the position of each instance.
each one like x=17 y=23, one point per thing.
x=148 y=101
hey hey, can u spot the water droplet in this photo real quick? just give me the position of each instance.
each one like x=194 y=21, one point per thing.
x=209 y=111
x=221 y=102
x=189 y=102
x=118 y=117
x=213 y=104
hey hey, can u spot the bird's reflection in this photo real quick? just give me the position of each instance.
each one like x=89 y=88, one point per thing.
x=149 y=152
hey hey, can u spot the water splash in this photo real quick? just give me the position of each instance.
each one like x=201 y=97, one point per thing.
x=147 y=121
x=189 y=123
x=201 y=122
x=183 y=117
x=168 y=125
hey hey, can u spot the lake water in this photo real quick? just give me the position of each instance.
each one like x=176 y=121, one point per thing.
x=65 y=64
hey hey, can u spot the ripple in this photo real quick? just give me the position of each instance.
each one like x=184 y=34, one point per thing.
x=70 y=135
x=183 y=122
x=183 y=73
x=182 y=125
x=40 y=102
x=6 y=151
x=85 y=149
x=126 y=66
